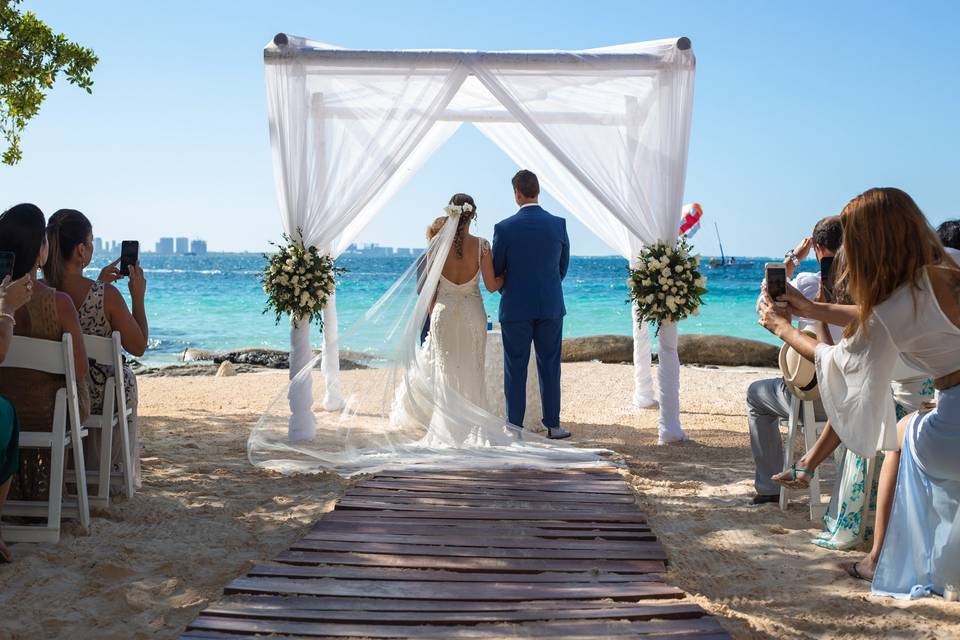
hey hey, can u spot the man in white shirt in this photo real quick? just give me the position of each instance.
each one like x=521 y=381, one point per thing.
x=768 y=401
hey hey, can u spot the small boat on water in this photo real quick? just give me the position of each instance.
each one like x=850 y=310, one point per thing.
x=724 y=262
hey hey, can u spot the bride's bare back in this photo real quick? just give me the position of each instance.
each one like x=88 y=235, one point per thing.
x=476 y=257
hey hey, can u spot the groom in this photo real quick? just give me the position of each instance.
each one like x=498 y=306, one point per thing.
x=532 y=249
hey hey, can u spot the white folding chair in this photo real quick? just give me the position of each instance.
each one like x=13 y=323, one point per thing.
x=108 y=351
x=802 y=412
x=56 y=358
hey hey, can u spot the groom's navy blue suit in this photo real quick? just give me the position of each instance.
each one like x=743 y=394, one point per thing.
x=533 y=250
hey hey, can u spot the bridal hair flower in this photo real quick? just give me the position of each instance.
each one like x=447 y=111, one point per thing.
x=457 y=209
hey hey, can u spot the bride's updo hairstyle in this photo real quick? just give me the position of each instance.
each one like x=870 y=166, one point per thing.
x=458 y=199
x=887 y=243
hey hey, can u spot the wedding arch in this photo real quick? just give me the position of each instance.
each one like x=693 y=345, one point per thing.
x=606 y=130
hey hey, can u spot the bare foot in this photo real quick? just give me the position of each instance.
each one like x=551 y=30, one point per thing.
x=862 y=570
x=796 y=477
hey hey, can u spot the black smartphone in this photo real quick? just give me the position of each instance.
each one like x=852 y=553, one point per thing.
x=7 y=260
x=129 y=254
x=827 y=277
x=775 y=274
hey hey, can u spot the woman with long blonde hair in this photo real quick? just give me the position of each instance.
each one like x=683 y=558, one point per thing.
x=906 y=288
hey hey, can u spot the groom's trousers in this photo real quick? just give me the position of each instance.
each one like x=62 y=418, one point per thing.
x=546 y=336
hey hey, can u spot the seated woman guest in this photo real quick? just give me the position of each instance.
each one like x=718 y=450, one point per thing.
x=13 y=295
x=905 y=287
x=102 y=310
x=47 y=315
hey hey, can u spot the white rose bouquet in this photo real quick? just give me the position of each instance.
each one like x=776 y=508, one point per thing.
x=667 y=283
x=298 y=281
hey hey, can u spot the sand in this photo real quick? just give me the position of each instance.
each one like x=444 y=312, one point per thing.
x=204 y=515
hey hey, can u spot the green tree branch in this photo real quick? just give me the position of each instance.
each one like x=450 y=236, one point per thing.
x=31 y=59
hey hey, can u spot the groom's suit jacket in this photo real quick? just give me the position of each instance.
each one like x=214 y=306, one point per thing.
x=533 y=249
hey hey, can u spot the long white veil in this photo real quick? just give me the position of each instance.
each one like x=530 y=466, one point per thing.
x=398 y=413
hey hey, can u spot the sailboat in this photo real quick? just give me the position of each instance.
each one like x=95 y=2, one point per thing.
x=723 y=261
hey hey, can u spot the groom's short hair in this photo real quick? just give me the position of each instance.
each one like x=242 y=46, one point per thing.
x=526 y=183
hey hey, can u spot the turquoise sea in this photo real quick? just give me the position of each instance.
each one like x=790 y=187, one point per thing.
x=214 y=302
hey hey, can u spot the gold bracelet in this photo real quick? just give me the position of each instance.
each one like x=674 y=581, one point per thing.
x=13 y=321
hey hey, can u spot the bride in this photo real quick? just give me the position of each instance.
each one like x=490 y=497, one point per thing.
x=457 y=330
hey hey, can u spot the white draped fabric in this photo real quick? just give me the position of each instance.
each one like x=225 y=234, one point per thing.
x=606 y=130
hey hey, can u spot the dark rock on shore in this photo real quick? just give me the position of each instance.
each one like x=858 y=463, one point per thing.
x=726 y=351
x=610 y=349
x=692 y=349
x=266 y=358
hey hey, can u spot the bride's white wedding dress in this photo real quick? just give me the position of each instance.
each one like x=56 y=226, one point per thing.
x=458 y=336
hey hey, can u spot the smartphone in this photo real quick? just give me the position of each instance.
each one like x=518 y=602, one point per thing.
x=7 y=260
x=827 y=277
x=775 y=274
x=129 y=254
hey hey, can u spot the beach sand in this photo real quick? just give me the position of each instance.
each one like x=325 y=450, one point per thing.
x=204 y=515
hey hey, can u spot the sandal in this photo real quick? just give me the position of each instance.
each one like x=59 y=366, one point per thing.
x=795 y=481
x=854 y=572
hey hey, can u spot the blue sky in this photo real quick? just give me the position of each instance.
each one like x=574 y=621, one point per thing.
x=798 y=107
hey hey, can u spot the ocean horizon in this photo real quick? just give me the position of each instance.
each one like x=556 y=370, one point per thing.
x=214 y=302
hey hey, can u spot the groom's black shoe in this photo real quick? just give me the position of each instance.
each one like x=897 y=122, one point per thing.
x=765 y=499
x=557 y=433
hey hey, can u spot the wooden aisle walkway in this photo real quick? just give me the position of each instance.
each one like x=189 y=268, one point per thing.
x=467 y=554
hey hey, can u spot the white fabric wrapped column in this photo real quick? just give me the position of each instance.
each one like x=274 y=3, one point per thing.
x=642 y=380
x=302 y=424
x=330 y=360
x=668 y=376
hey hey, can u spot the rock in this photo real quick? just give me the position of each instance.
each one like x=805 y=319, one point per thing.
x=191 y=355
x=226 y=370
x=259 y=357
x=726 y=351
x=603 y=348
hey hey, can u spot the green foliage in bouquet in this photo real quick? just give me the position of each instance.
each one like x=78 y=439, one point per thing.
x=31 y=58
x=298 y=281
x=666 y=284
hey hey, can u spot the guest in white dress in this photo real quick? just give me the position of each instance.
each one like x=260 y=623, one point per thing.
x=907 y=293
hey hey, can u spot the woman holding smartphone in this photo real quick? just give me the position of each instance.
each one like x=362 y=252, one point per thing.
x=906 y=288
x=102 y=311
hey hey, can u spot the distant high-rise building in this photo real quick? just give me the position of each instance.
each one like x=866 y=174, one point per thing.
x=98 y=245
x=199 y=247
x=402 y=252
x=165 y=246
x=183 y=245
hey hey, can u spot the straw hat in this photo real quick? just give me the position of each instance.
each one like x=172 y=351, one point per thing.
x=799 y=374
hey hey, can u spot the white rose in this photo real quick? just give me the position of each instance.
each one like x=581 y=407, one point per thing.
x=663 y=280
x=669 y=251
x=288 y=268
x=630 y=283
x=673 y=289
x=646 y=282
x=648 y=299
x=666 y=272
x=681 y=300
x=678 y=268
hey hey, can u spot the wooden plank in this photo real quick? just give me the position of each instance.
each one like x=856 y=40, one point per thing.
x=370 y=517
x=460 y=491
x=699 y=629
x=429 y=575
x=450 y=500
x=547 y=486
x=375 y=525
x=609 y=475
x=511 y=565
x=391 y=510
x=637 y=550
x=571 y=612
x=452 y=591
x=333 y=603
x=445 y=540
